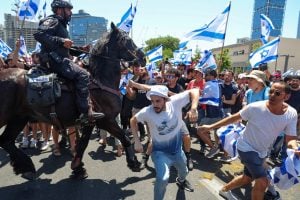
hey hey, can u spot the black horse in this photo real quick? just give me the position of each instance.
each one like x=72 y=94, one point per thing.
x=105 y=69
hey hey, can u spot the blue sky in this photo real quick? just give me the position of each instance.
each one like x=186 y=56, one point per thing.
x=176 y=17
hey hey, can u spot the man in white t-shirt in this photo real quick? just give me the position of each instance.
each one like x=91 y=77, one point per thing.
x=265 y=121
x=164 y=118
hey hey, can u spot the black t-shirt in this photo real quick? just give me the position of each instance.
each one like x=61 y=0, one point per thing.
x=228 y=91
x=177 y=89
x=294 y=100
x=141 y=100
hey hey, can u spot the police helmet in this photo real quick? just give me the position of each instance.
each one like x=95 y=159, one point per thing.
x=60 y=4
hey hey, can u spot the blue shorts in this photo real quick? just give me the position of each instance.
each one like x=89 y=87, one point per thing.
x=253 y=164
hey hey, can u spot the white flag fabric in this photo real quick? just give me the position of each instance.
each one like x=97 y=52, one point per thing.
x=211 y=93
x=266 y=28
x=151 y=68
x=127 y=19
x=155 y=54
x=214 y=32
x=287 y=175
x=265 y=54
x=4 y=49
x=23 y=49
x=228 y=136
x=207 y=62
x=124 y=81
x=182 y=56
x=29 y=9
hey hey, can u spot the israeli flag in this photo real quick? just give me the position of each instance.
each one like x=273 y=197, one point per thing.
x=228 y=136
x=207 y=62
x=28 y=10
x=37 y=47
x=182 y=56
x=155 y=54
x=211 y=93
x=287 y=175
x=151 y=68
x=214 y=32
x=127 y=19
x=124 y=82
x=265 y=54
x=23 y=49
x=4 y=49
x=266 y=28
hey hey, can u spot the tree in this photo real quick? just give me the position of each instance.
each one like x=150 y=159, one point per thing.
x=224 y=62
x=169 y=43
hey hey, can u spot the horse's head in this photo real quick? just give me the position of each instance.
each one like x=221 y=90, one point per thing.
x=128 y=50
x=115 y=47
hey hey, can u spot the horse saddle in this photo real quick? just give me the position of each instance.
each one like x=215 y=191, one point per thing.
x=43 y=87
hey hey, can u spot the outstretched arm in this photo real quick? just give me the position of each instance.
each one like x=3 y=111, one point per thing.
x=228 y=120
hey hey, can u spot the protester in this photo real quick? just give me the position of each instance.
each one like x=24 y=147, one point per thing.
x=165 y=123
x=254 y=143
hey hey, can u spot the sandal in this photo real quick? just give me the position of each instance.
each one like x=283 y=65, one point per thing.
x=56 y=151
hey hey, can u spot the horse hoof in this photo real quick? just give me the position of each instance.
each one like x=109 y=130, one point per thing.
x=135 y=167
x=79 y=174
x=29 y=176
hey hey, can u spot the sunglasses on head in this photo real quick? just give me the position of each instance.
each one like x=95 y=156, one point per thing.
x=276 y=92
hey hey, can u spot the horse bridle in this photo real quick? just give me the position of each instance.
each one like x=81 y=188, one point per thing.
x=124 y=63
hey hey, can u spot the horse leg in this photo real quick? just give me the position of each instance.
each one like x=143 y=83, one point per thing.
x=79 y=172
x=21 y=163
x=119 y=133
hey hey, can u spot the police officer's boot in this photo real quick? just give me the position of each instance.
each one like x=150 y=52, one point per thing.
x=90 y=115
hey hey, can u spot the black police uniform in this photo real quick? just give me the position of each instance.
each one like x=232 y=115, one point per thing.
x=51 y=34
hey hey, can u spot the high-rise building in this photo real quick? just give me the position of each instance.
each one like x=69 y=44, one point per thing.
x=1 y=32
x=274 y=9
x=298 y=32
x=12 y=29
x=85 y=28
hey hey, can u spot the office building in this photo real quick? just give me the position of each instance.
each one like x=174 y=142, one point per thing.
x=85 y=28
x=274 y=9
x=12 y=29
x=288 y=51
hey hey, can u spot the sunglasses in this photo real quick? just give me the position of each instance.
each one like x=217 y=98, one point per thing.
x=169 y=76
x=276 y=92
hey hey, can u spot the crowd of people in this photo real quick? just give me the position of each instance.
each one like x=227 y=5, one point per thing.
x=162 y=107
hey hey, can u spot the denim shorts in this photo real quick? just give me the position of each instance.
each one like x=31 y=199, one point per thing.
x=253 y=164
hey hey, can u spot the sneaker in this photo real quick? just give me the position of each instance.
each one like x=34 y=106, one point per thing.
x=212 y=152
x=226 y=159
x=227 y=195
x=33 y=143
x=44 y=146
x=185 y=185
x=270 y=196
x=25 y=143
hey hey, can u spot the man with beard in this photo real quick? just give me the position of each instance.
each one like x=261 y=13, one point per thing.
x=266 y=120
x=164 y=118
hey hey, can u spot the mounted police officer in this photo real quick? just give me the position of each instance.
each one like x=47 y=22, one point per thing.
x=55 y=44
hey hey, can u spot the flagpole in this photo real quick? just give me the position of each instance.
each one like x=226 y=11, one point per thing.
x=222 y=48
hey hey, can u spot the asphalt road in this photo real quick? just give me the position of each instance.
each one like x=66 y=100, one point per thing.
x=109 y=178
